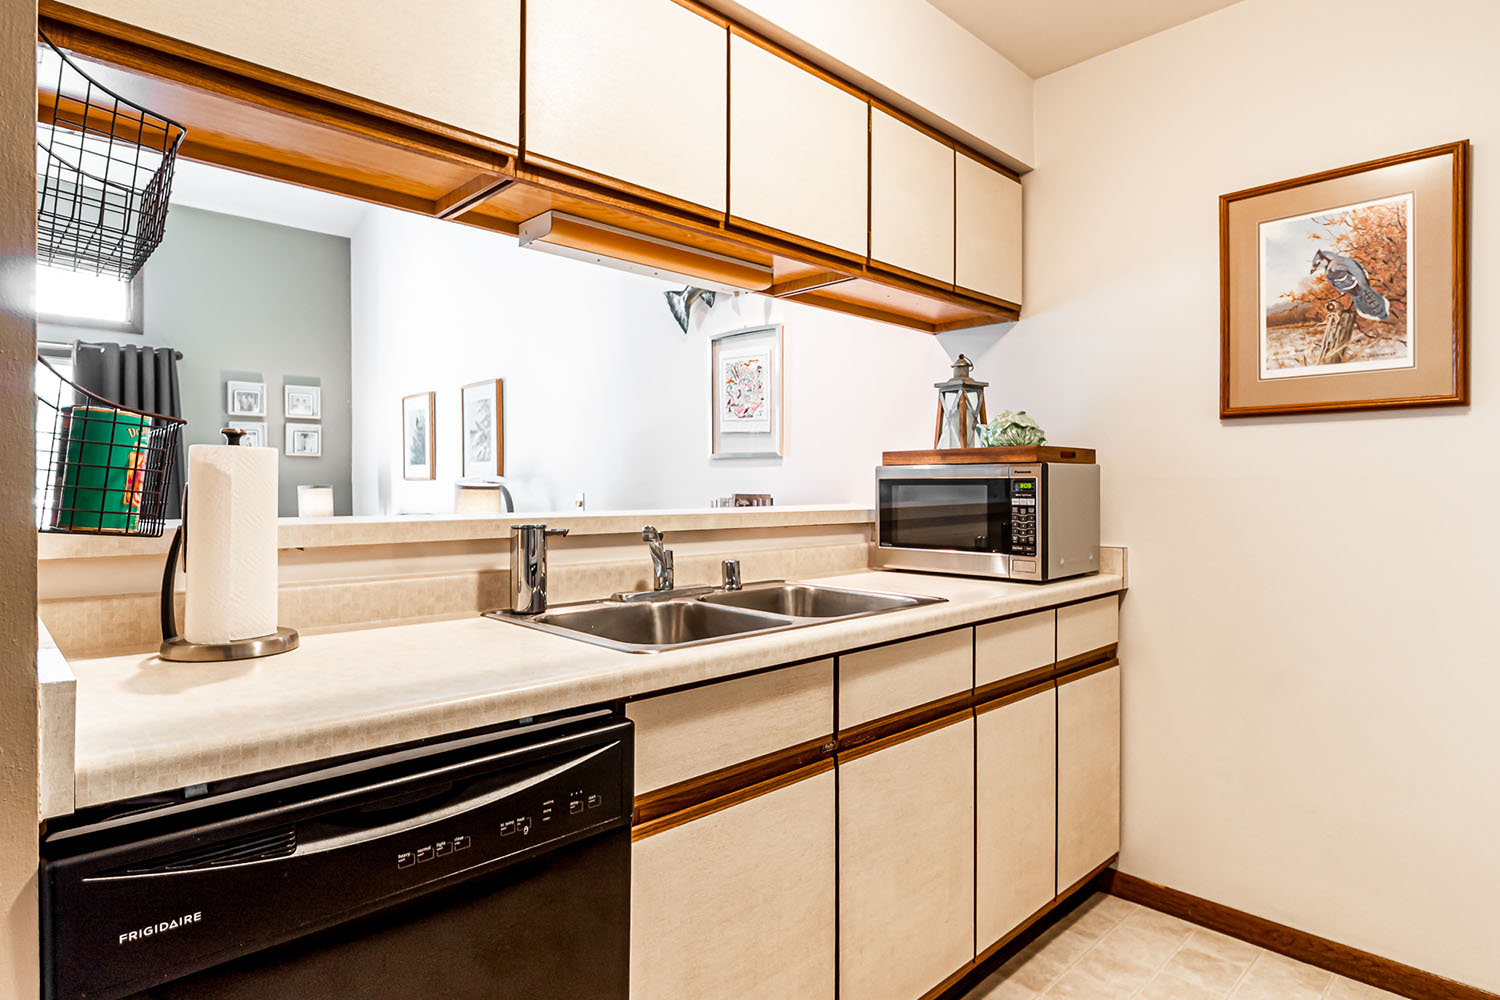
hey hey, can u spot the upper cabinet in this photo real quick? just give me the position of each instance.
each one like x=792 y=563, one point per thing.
x=633 y=90
x=459 y=66
x=987 y=248
x=911 y=199
x=798 y=150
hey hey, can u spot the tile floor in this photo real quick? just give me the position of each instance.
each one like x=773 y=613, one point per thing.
x=1108 y=948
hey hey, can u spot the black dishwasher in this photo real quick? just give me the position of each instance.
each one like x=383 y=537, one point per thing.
x=495 y=865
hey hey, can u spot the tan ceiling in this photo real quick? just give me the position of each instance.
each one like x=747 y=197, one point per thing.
x=1043 y=36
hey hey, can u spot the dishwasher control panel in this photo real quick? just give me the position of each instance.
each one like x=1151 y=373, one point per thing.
x=558 y=805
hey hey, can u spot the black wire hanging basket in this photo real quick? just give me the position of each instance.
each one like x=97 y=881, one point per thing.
x=104 y=171
x=102 y=468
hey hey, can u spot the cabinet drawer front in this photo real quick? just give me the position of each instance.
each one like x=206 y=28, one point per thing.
x=911 y=199
x=875 y=683
x=683 y=735
x=906 y=865
x=799 y=150
x=739 y=904
x=632 y=89
x=987 y=234
x=1083 y=628
x=1088 y=773
x=381 y=50
x=1016 y=818
x=1014 y=646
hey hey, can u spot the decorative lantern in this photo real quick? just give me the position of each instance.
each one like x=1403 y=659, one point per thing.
x=960 y=408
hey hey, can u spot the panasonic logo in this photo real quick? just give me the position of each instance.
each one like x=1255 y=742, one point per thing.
x=161 y=928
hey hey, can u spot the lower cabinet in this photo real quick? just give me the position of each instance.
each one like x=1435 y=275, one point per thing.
x=738 y=904
x=1015 y=849
x=906 y=863
x=1088 y=772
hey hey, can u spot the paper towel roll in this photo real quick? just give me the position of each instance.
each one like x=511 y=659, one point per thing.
x=231 y=543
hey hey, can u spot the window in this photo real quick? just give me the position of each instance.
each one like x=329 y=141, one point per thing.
x=79 y=298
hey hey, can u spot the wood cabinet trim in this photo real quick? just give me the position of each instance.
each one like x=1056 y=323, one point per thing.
x=716 y=784
x=1079 y=673
x=993 y=300
x=1010 y=698
x=644 y=830
x=649 y=195
x=130 y=42
x=734 y=222
x=895 y=739
x=896 y=722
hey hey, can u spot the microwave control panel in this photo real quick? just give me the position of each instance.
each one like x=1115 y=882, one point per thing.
x=1023 y=524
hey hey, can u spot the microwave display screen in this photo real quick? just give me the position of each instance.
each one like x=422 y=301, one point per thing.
x=970 y=515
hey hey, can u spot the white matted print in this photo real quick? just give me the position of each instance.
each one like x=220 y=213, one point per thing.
x=418 y=436
x=255 y=432
x=483 y=429
x=304 y=440
x=244 y=399
x=1335 y=294
x=746 y=372
x=302 y=402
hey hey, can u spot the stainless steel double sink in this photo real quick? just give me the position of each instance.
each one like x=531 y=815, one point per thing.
x=691 y=617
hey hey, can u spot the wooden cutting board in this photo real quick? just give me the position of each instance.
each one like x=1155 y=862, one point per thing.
x=989 y=456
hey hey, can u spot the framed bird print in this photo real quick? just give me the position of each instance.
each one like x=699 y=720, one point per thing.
x=1348 y=289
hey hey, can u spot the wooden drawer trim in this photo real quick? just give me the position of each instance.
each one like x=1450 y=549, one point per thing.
x=875 y=746
x=1088 y=671
x=1007 y=685
x=1088 y=659
x=877 y=729
x=643 y=830
x=1014 y=696
x=694 y=791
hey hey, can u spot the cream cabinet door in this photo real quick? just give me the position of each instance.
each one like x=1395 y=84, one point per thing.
x=798 y=150
x=455 y=61
x=1088 y=773
x=890 y=679
x=1087 y=628
x=1012 y=647
x=632 y=89
x=906 y=865
x=739 y=904
x=911 y=199
x=1015 y=830
x=987 y=230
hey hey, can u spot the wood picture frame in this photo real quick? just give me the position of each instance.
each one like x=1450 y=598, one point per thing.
x=762 y=433
x=419 y=436
x=481 y=411
x=1390 y=236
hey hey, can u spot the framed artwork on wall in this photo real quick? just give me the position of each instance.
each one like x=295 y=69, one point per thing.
x=483 y=427
x=304 y=440
x=245 y=399
x=255 y=432
x=1348 y=289
x=745 y=372
x=302 y=402
x=418 y=435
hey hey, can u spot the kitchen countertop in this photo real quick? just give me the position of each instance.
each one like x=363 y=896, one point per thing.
x=145 y=725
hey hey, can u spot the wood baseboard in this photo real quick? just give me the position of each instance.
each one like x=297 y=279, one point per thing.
x=1383 y=973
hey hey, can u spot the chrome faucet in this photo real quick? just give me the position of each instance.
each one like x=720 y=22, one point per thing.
x=661 y=559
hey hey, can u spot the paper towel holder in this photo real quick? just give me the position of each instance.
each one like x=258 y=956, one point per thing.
x=176 y=647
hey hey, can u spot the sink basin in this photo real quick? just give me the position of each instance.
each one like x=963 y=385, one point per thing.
x=801 y=600
x=657 y=624
x=650 y=623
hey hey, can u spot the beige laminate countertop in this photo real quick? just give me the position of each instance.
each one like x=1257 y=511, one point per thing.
x=145 y=725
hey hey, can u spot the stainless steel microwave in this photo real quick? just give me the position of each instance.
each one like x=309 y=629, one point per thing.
x=1017 y=522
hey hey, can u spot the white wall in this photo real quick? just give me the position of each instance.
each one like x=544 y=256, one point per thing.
x=603 y=392
x=1311 y=682
x=913 y=55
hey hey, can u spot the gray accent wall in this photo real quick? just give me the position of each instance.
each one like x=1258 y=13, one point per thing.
x=250 y=300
